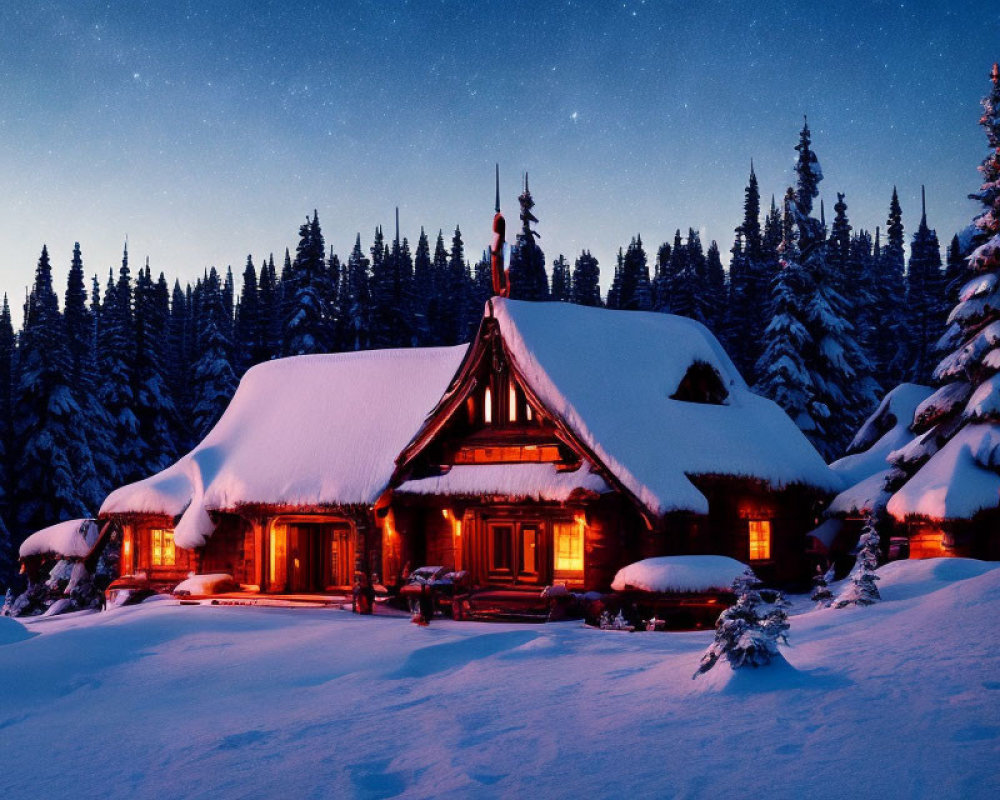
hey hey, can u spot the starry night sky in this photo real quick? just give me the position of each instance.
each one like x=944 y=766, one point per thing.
x=207 y=130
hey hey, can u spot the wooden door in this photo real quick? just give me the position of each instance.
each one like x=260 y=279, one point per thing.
x=515 y=552
x=301 y=560
x=338 y=557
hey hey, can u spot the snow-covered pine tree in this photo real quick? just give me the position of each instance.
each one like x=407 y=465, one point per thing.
x=748 y=286
x=861 y=589
x=679 y=279
x=924 y=298
x=528 y=279
x=304 y=326
x=269 y=300
x=781 y=369
x=747 y=633
x=51 y=445
x=332 y=322
x=562 y=288
x=821 y=593
x=213 y=380
x=438 y=317
x=967 y=402
x=697 y=278
x=586 y=280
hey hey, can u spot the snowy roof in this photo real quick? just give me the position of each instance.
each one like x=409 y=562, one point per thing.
x=301 y=431
x=884 y=432
x=958 y=481
x=679 y=574
x=609 y=376
x=72 y=538
x=522 y=481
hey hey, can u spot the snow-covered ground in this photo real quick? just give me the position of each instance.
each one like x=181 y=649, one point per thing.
x=898 y=700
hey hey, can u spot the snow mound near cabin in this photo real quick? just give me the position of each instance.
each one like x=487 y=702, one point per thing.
x=301 y=431
x=610 y=376
x=215 y=583
x=72 y=539
x=679 y=574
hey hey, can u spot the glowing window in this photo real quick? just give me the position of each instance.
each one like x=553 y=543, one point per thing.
x=529 y=543
x=164 y=554
x=278 y=572
x=488 y=407
x=568 y=546
x=760 y=539
x=512 y=402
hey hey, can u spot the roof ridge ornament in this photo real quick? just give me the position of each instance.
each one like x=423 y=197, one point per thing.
x=500 y=276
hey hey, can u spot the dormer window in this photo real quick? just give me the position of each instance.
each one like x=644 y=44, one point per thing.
x=701 y=384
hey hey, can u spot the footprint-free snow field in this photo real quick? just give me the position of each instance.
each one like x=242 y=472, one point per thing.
x=898 y=700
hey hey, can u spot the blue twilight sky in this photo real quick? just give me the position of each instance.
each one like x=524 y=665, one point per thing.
x=207 y=130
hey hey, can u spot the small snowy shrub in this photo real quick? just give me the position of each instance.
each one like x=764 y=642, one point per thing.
x=748 y=632
x=862 y=591
x=821 y=593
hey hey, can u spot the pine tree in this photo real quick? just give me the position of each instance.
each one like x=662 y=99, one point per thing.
x=424 y=287
x=154 y=405
x=862 y=591
x=562 y=288
x=661 y=279
x=213 y=380
x=615 y=291
x=305 y=323
x=528 y=279
x=438 y=318
x=7 y=448
x=357 y=301
x=682 y=283
x=116 y=349
x=51 y=449
x=456 y=293
x=821 y=593
x=269 y=301
x=715 y=284
x=782 y=372
x=888 y=356
x=179 y=363
x=586 y=280
x=247 y=328
x=924 y=300
x=748 y=632
x=634 y=290
x=955 y=274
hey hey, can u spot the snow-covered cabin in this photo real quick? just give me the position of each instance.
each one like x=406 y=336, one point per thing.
x=562 y=444
x=575 y=440
x=280 y=493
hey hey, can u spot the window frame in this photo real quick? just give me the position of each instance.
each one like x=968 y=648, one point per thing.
x=161 y=542
x=760 y=540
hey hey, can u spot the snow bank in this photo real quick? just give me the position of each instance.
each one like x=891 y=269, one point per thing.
x=214 y=583
x=521 y=481
x=12 y=631
x=952 y=484
x=72 y=538
x=308 y=430
x=679 y=574
x=610 y=375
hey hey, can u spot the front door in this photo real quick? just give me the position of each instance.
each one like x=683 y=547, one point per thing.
x=515 y=552
x=308 y=557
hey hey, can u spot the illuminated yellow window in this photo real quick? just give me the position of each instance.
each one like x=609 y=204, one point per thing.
x=164 y=554
x=568 y=546
x=278 y=557
x=760 y=539
x=512 y=402
x=488 y=407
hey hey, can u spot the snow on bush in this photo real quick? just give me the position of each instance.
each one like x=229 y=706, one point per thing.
x=861 y=589
x=679 y=574
x=747 y=633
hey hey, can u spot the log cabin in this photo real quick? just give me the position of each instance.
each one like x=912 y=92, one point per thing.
x=562 y=444
x=929 y=503
x=280 y=493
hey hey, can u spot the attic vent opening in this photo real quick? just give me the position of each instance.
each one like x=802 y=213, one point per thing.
x=701 y=384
